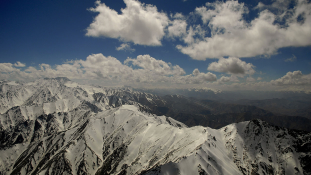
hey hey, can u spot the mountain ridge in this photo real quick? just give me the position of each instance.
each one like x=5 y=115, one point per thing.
x=61 y=127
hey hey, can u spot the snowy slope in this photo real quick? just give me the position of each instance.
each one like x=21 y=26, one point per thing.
x=254 y=147
x=55 y=126
x=125 y=140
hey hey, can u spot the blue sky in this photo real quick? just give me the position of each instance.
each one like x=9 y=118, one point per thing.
x=227 y=45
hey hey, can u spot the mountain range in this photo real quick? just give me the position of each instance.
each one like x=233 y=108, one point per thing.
x=57 y=126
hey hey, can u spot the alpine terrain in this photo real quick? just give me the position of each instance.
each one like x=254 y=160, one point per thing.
x=56 y=126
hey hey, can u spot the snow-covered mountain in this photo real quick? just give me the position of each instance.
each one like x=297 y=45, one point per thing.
x=56 y=126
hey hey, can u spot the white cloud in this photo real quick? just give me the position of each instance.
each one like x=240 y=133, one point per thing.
x=293 y=78
x=138 y=23
x=232 y=78
x=178 y=28
x=189 y=37
x=100 y=66
x=291 y=59
x=19 y=64
x=223 y=15
x=232 y=65
x=106 y=70
x=6 y=67
x=260 y=6
x=30 y=69
x=177 y=16
x=193 y=33
x=197 y=77
x=125 y=47
x=259 y=79
x=72 y=70
x=146 y=71
x=250 y=79
x=280 y=7
x=232 y=35
x=160 y=67
x=224 y=79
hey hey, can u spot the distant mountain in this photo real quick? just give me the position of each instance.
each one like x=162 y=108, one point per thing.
x=62 y=95
x=232 y=96
x=56 y=126
x=216 y=114
x=282 y=106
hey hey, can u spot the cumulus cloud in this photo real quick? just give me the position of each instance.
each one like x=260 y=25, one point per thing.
x=198 y=77
x=232 y=65
x=107 y=70
x=280 y=7
x=293 y=78
x=191 y=35
x=6 y=67
x=125 y=47
x=146 y=71
x=232 y=35
x=225 y=32
x=96 y=66
x=232 y=78
x=224 y=79
x=177 y=28
x=138 y=23
x=19 y=64
x=260 y=6
x=100 y=66
x=147 y=62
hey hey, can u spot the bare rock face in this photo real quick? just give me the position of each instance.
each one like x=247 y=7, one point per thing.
x=55 y=126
